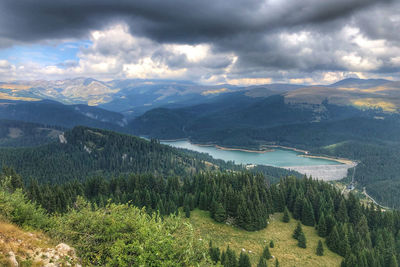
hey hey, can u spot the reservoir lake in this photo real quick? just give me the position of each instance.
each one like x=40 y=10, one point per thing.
x=277 y=158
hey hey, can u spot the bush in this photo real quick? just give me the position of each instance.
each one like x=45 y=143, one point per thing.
x=17 y=208
x=122 y=235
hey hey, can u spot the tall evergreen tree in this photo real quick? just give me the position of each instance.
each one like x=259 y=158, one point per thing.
x=286 y=217
x=244 y=260
x=231 y=259
x=266 y=254
x=214 y=252
x=298 y=207
x=262 y=262
x=220 y=214
x=307 y=216
x=333 y=240
x=341 y=214
x=302 y=240
x=322 y=226
x=320 y=248
x=297 y=231
x=277 y=263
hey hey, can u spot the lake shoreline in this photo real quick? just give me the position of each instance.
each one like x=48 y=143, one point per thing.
x=269 y=148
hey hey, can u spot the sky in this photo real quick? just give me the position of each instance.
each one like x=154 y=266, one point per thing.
x=205 y=41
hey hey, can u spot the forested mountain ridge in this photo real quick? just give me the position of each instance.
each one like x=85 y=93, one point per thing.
x=23 y=134
x=54 y=113
x=83 y=152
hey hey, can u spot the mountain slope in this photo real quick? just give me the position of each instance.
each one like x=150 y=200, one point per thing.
x=83 y=152
x=18 y=133
x=54 y=113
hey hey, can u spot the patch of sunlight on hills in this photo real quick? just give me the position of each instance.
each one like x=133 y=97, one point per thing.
x=374 y=103
x=216 y=91
x=11 y=97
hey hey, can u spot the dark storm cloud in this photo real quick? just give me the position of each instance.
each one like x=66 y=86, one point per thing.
x=171 y=21
x=258 y=32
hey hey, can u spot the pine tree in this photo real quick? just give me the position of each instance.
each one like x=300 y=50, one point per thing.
x=332 y=241
x=220 y=214
x=286 y=217
x=271 y=244
x=322 y=226
x=302 y=240
x=266 y=254
x=393 y=261
x=276 y=263
x=231 y=260
x=187 y=211
x=223 y=258
x=341 y=214
x=320 y=248
x=297 y=231
x=214 y=252
x=298 y=207
x=244 y=260
x=262 y=262
x=307 y=216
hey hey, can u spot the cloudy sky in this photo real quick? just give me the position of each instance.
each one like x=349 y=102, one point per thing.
x=207 y=41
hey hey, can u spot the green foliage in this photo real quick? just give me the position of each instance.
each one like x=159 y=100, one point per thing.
x=307 y=217
x=17 y=208
x=320 y=248
x=272 y=244
x=302 y=240
x=230 y=258
x=262 y=262
x=10 y=180
x=244 y=260
x=121 y=235
x=286 y=217
x=266 y=254
x=214 y=252
x=321 y=229
x=220 y=214
x=297 y=231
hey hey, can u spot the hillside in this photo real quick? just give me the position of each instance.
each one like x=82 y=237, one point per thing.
x=32 y=248
x=22 y=134
x=54 y=113
x=83 y=152
x=285 y=249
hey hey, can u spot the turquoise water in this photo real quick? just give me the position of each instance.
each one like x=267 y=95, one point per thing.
x=277 y=158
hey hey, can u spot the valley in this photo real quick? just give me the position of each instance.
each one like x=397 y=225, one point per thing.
x=319 y=168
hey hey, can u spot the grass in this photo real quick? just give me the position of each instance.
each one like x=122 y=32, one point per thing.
x=24 y=244
x=285 y=250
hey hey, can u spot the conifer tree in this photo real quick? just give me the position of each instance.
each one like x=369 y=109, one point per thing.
x=302 y=240
x=220 y=214
x=277 y=263
x=297 y=231
x=332 y=241
x=286 y=217
x=266 y=254
x=231 y=260
x=341 y=214
x=187 y=211
x=262 y=262
x=307 y=216
x=244 y=260
x=298 y=207
x=320 y=248
x=322 y=226
x=223 y=258
x=271 y=244
x=214 y=252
